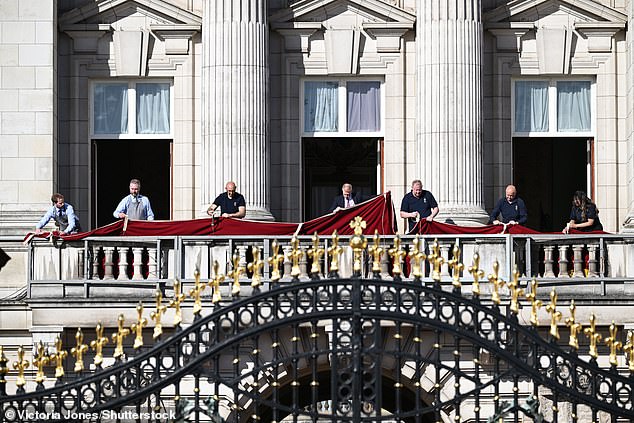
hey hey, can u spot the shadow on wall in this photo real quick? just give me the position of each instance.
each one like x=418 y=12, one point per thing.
x=4 y=258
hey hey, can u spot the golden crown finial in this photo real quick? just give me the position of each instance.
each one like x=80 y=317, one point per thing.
x=20 y=365
x=614 y=344
x=41 y=359
x=79 y=350
x=417 y=258
x=3 y=364
x=316 y=253
x=515 y=291
x=295 y=256
x=497 y=283
x=156 y=315
x=218 y=278
x=195 y=293
x=256 y=268
x=535 y=303
x=456 y=267
x=358 y=244
x=119 y=336
x=436 y=260
x=57 y=358
x=137 y=327
x=97 y=345
x=575 y=328
x=376 y=251
x=397 y=254
x=235 y=274
x=477 y=274
x=274 y=261
x=629 y=350
x=593 y=336
x=555 y=316
x=334 y=251
x=179 y=297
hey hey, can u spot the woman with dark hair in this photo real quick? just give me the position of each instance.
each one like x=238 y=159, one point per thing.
x=584 y=215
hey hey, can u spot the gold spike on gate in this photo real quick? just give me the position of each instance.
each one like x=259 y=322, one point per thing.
x=79 y=350
x=98 y=344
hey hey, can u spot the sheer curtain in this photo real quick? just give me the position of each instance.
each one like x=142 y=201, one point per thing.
x=573 y=106
x=110 y=109
x=364 y=106
x=153 y=108
x=531 y=106
x=320 y=106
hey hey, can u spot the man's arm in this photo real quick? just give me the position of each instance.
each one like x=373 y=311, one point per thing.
x=148 y=209
x=72 y=219
x=242 y=211
x=120 y=211
x=493 y=218
x=434 y=212
x=211 y=209
x=335 y=205
x=44 y=220
x=523 y=212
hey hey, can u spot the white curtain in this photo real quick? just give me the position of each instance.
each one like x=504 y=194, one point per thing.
x=110 y=109
x=320 y=106
x=364 y=106
x=531 y=106
x=153 y=108
x=573 y=106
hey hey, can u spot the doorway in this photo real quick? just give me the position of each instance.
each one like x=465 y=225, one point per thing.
x=547 y=172
x=115 y=162
x=329 y=162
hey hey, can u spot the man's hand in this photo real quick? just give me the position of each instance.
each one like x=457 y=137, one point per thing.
x=496 y=222
x=122 y=215
x=430 y=218
x=512 y=222
x=38 y=231
x=226 y=215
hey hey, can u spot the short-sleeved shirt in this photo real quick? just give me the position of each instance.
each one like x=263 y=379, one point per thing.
x=591 y=213
x=230 y=205
x=515 y=210
x=423 y=205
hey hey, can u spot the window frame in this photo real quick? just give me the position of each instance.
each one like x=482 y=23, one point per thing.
x=342 y=107
x=552 y=108
x=132 y=109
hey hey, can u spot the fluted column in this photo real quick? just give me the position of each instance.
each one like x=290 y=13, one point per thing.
x=628 y=225
x=449 y=99
x=235 y=103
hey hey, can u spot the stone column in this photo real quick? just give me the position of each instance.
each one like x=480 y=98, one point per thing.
x=449 y=107
x=628 y=226
x=235 y=103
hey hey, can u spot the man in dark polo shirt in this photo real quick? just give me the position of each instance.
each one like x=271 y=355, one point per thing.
x=231 y=203
x=418 y=204
x=512 y=209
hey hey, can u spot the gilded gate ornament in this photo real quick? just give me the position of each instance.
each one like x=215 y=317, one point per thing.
x=456 y=267
x=358 y=243
x=477 y=274
x=156 y=315
x=295 y=255
x=79 y=350
x=214 y=283
x=334 y=252
x=614 y=344
x=497 y=283
x=397 y=254
x=57 y=358
x=593 y=336
x=629 y=350
x=376 y=251
x=235 y=275
x=575 y=327
x=555 y=316
x=274 y=261
x=41 y=359
x=119 y=336
x=436 y=260
x=20 y=365
x=137 y=327
x=195 y=293
x=315 y=252
x=515 y=291
x=256 y=267
x=535 y=303
x=98 y=344
x=179 y=297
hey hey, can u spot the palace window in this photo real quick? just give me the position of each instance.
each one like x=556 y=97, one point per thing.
x=342 y=107
x=553 y=107
x=131 y=109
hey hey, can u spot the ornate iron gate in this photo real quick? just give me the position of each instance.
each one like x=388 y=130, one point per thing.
x=343 y=350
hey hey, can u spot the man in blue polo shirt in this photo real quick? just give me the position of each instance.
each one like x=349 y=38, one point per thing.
x=63 y=214
x=418 y=204
x=512 y=209
x=231 y=203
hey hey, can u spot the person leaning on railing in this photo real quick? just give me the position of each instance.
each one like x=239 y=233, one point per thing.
x=231 y=203
x=62 y=213
x=584 y=215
